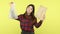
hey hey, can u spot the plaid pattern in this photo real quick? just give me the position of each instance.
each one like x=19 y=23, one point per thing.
x=26 y=24
x=24 y=32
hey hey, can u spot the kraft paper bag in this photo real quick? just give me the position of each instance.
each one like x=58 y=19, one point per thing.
x=41 y=11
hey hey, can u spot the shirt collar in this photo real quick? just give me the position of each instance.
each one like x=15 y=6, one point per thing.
x=28 y=16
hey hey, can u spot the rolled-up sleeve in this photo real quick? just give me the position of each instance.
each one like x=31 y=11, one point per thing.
x=19 y=17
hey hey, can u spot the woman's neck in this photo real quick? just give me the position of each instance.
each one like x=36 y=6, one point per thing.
x=28 y=14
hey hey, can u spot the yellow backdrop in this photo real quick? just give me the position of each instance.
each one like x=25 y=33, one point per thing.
x=51 y=24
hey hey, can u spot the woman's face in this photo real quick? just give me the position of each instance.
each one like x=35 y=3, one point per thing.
x=29 y=9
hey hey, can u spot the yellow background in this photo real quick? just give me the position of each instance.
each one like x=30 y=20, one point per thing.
x=51 y=24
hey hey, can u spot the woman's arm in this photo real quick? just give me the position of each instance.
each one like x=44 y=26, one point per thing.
x=12 y=13
x=37 y=25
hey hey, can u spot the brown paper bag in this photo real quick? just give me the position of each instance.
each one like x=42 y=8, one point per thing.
x=41 y=12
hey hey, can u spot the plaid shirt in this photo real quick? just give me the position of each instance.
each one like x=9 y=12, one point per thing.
x=27 y=24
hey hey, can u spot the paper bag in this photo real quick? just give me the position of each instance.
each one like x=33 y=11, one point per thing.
x=41 y=12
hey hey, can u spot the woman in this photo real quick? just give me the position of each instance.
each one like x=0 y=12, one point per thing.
x=27 y=20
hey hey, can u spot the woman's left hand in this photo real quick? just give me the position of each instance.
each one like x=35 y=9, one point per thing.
x=42 y=17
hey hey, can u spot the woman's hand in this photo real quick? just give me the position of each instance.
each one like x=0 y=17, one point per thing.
x=12 y=4
x=42 y=17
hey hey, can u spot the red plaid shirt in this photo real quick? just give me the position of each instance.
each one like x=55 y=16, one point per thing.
x=26 y=24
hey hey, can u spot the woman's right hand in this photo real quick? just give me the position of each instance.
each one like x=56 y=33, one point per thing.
x=12 y=4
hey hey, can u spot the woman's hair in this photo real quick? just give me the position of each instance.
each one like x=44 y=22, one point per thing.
x=32 y=13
